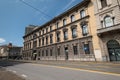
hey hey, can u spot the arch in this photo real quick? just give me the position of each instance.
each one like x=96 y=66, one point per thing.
x=113 y=50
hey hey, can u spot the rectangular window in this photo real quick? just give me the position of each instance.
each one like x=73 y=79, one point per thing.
x=46 y=30
x=65 y=35
x=58 y=37
x=39 y=42
x=57 y=25
x=35 y=44
x=82 y=13
x=51 y=38
x=64 y=22
x=43 y=31
x=50 y=52
x=75 y=50
x=103 y=3
x=40 y=33
x=46 y=40
x=42 y=52
x=58 y=51
x=46 y=52
x=42 y=41
x=86 y=48
x=85 y=30
x=50 y=28
x=72 y=18
x=74 y=32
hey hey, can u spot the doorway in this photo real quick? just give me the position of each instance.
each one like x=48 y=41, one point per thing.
x=113 y=50
x=66 y=53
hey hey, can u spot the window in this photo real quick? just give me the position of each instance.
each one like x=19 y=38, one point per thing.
x=35 y=36
x=43 y=31
x=46 y=39
x=57 y=25
x=42 y=41
x=84 y=29
x=50 y=28
x=58 y=37
x=86 y=48
x=39 y=42
x=58 y=51
x=46 y=30
x=51 y=38
x=82 y=13
x=64 y=22
x=103 y=3
x=46 y=52
x=50 y=52
x=74 y=32
x=39 y=54
x=35 y=44
x=75 y=50
x=65 y=35
x=72 y=18
x=42 y=52
x=40 y=33
x=108 y=21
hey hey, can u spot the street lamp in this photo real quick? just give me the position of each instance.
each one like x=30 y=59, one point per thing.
x=9 y=47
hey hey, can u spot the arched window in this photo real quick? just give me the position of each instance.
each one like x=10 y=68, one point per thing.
x=108 y=21
x=64 y=22
x=85 y=29
x=82 y=13
x=72 y=18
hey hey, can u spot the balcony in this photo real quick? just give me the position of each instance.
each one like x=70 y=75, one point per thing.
x=108 y=29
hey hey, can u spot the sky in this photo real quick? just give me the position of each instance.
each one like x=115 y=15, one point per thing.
x=16 y=15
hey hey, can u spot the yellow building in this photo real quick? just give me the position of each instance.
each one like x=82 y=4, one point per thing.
x=70 y=36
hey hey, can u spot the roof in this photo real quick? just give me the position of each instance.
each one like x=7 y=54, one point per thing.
x=81 y=4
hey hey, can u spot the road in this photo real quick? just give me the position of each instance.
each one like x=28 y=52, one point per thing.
x=32 y=71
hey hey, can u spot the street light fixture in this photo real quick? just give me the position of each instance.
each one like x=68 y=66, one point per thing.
x=9 y=47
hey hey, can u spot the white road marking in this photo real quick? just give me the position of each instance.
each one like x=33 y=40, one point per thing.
x=14 y=71
x=23 y=75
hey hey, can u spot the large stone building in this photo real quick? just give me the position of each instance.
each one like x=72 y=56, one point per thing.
x=76 y=34
x=107 y=14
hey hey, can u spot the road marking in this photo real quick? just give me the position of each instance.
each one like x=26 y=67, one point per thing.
x=79 y=69
x=23 y=75
x=14 y=71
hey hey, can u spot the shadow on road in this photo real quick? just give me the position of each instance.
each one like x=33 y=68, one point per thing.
x=6 y=63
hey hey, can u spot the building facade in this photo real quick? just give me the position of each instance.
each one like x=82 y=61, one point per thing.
x=10 y=52
x=70 y=36
x=107 y=14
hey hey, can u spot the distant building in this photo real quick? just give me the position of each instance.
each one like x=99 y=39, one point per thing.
x=10 y=51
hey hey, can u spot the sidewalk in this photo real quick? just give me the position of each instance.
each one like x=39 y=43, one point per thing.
x=6 y=75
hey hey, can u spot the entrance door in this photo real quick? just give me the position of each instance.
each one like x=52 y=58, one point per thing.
x=114 y=50
x=66 y=53
x=34 y=55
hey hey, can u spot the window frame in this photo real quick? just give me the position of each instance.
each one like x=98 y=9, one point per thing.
x=82 y=13
x=110 y=19
x=72 y=18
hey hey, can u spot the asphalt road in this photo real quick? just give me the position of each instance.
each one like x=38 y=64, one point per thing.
x=31 y=71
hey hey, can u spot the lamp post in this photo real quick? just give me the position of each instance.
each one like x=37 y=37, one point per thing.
x=9 y=47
